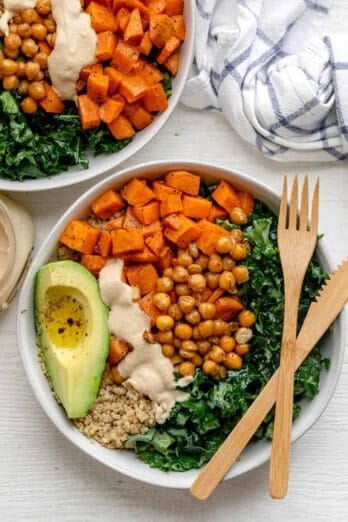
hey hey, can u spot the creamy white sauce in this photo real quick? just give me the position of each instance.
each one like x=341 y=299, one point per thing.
x=10 y=9
x=4 y=249
x=146 y=368
x=75 y=46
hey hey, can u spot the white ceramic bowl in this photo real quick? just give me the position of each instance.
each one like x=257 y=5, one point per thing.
x=105 y=162
x=123 y=461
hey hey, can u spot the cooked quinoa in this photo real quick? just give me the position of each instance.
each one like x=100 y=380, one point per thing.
x=119 y=411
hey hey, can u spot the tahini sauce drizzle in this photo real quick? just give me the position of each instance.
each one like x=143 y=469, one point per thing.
x=146 y=368
x=75 y=46
x=10 y=9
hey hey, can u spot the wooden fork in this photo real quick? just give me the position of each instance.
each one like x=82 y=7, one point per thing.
x=296 y=243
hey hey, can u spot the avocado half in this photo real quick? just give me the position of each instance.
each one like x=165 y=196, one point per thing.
x=71 y=322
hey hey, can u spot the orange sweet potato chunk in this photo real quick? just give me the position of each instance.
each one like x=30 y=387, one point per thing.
x=137 y=193
x=217 y=213
x=162 y=191
x=226 y=196
x=142 y=276
x=93 y=263
x=133 y=88
x=80 y=236
x=88 y=112
x=147 y=306
x=155 y=242
x=106 y=44
x=246 y=202
x=51 y=103
x=147 y=214
x=171 y=205
x=184 y=181
x=134 y=31
x=210 y=234
x=124 y=241
x=107 y=204
x=121 y=128
x=97 y=87
x=155 y=99
x=125 y=57
x=102 y=18
x=110 y=110
x=196 y=207
x=103 y=247
x=140 y=118
x=161 y=28
x=183 y=232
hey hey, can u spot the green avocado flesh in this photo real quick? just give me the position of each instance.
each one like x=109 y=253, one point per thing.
x=71 y=322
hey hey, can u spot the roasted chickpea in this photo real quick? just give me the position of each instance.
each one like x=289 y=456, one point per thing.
x=197 y=282
x=50 y=25
x=206 y=328
x=182 y=289
x=184 y=259
x=39 y=32
x=13 y=41
x=168 y=350
x=29 y=16
x=246 y=318
x=41 y=59
x=168 y=272
x=9 y=67
x=242 y=349
x=222 y=372
x=227 y=281
x=175 y=312
x=243 y=335
x=43 y=7
x=36 y=90
x=194 y=269
x=241 y=274
x=193 y=250
x=214 y=339
x=116 y=376
x=22 y=88
x=164 y=322
x=211 y=368
x=176 y=359
x=193 y=317
x=162 y=301
x=40 y=76
x=202 y=261
x=207 y=310
x=186 y=354
x=227 y=343
x=32 y=70
x=233 y=361
x=187 y=369
x=29 y=47
x=164 y=284
x=223 y=245
x=212 y=281
x=10 y=83
x=239 y=251
x=237 y=235
x=189 y=345
x=21 y=69
x=149 y=337
x=220 y=327
x=238 y=216
x=24 y=30
x=195 y=333
x=177 y=343
x=203 y=347
x=228 y=263
x=197 y=360
x=17 y=19
x=13 y=55
x=13 y=28
x=180 y=274
x=183 y=331
x=186 y=303
x=215 y=264
x=51 y=38
x=165 y=337
x=217 y=354
x=28 y=105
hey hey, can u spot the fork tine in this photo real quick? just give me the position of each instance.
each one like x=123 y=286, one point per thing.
x=293 y=205
x=283 y=206
x=304 y=206
x=315 y=209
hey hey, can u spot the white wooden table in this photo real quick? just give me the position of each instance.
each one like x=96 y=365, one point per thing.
x=44 y=478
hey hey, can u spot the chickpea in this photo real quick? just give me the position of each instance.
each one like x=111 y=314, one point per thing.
x=194 y=269
x=237 y=235
x=207 y=310
x=242 y=349
x=241 y=274
x=186 y=354
x=183 y=331
x=186 y=303
x=189 y=345
x=193 y=250
x=164 y=284
x=193 y=317
x=233 y=361
x=214 y=339
x=22 y=88
x=211 y=368
x=228 y=263
x=217 y=354
x=223 y=245
x=187 y=369
x=36 y=90
x=51 y=38
x=40 y=76
x=24 y=30
x=168 y=350
x=239 y=252
x=10 y=83
x=17 y=19
x=50 y=25
x=177 y=343
x=215 y=264
x=227 y=343
x=203 y=347
x=13 y=55
x=197 y=282
x=43 y=7
x=206 y=328
x=165 y=337
x=161 y=301
x=13 y=28
x=176 y=359
x=9 y=67
x=29 y=16
x=28 y=105
x=41 y=59
x=246 y=318
x=202 y=261
x=116 y=376
x=180 y=274
x=220 y=327
x=21 y=69
x=238 y=216
x=184 y=259
x=212 y=281
x=164 y=322
x=39 y=32
x=175 y=312
x=168 y=272
x=227 y=281
x=32 y=70
x=182 y=289
x=12 y=41
x=29 y=47
x=223 y=372
x=243 y=335
x=197 y=360
x=195 y=333
x=149 y=337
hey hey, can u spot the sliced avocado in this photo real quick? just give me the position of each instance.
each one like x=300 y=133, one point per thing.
x=71 y=322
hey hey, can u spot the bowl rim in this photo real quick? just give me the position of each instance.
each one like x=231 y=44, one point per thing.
x=178 y=480
x=142 y=138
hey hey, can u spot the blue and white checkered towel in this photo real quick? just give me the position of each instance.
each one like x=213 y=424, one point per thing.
x=281 y=86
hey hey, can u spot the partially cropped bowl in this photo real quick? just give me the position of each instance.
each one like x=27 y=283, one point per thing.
x=106 y=162
x=121 y=460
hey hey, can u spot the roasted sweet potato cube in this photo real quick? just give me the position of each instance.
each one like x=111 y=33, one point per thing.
x=107 y=204
x=80 y=236
x=124 y=241
x=143 y=277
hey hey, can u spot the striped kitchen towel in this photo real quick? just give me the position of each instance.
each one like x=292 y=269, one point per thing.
x=281 y=86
